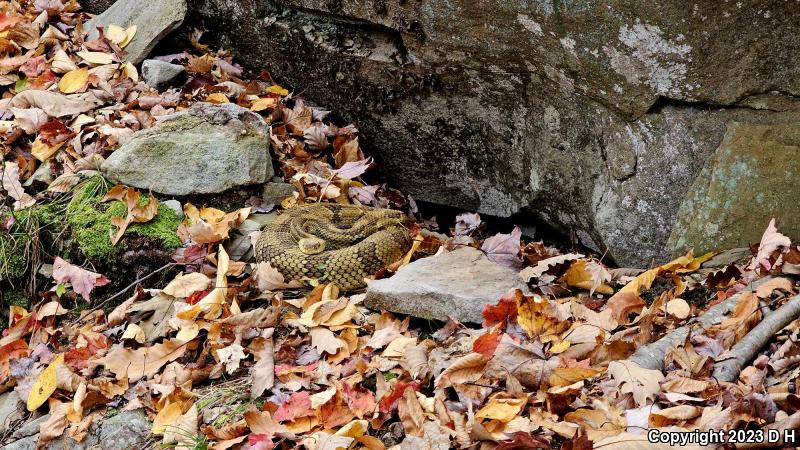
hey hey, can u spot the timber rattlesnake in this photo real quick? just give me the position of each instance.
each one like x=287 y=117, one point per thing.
x=335 y=243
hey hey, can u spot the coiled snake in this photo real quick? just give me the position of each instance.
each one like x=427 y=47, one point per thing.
x=335 y=243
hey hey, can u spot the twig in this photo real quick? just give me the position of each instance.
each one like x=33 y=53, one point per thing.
x=125 y=289
x=651 y=356
x=746 y=349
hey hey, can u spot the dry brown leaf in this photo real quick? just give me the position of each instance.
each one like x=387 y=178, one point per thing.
x=142 y=362
x=780 y=283
x=184 y=285
x=261 y=422
x=262 y=374
x=269 y=278
x=53 y=103
x=83 y=281
x=632 y=378
x=468 y=368
x=673 y=415
x=589 y=275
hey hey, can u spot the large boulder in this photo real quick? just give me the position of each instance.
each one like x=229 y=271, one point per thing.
x=596 y=117
x=206 y=149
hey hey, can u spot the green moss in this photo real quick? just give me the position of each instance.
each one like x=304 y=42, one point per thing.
x=89 y=222
x=13 y=263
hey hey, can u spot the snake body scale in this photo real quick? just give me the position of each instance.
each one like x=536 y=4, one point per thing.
x=334 y=243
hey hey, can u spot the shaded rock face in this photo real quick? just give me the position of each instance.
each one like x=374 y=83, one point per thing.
x=755 y=167
x=205 y=150
x=595 y=116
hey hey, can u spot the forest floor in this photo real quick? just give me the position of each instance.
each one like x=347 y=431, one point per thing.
x=220 y=352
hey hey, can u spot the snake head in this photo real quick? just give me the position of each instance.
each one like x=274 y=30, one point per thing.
x=311 y=245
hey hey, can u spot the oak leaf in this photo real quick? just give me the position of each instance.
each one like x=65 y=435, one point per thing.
x=632 y=378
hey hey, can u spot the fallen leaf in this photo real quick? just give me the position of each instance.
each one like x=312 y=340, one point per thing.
x=14 y=188
x=96 y=58
x=45 y=384
x=504 y=248
x=501 y=408
x=83 y=281
x=53 y=103
x=771 y=241
x=269 y=278
x=136 y=213
x=632 y=378
x=166 y=417
x=74 y=80
x=184 y=285
x=468 y=368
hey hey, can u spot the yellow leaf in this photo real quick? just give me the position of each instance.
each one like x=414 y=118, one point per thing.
x=560 y=347
x=129 y=70
x=564 y=376
x=166 y=417
x=263 y=103
x=74 y=80
x=42 y=151
x=45 y=385
x=589 y=275
x=275 y=89
x=130 y=32
x=502 y=409
x=540 y=319
x=115 y=34
x=97 y=58
x=354 y=429
x=217 y=97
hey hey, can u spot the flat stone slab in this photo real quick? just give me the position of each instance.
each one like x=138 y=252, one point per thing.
x=206 y=149
x=456 y=284
x=153 y=19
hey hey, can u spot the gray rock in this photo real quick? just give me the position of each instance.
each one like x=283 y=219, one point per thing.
x=123 y=431
x=153 y=21
x=594 y=117
x=205 y=149
x=26 y=443
x=126 y=430
x=175 y=206
x=11 y=410
x=90 y=442
x=30 y=427
x=746 y=182
x=157 y=73
x=96 y=6
x=275 y=192
x=457 y=284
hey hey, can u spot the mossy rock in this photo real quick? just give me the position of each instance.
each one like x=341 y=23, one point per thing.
x=89 y=223
x=79 y=228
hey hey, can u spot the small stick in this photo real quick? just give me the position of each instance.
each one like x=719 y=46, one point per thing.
x=651 y=356
x=746 y=349
x=135 y=282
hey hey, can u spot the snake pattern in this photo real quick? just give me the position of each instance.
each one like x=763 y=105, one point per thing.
x=357 y=240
